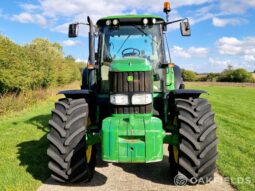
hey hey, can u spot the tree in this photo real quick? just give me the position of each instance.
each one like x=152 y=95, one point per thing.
x=238 y=75
x=188 y=75
x=39 y=64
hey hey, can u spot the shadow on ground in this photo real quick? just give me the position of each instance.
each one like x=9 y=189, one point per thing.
x=32 y=154
x=158 y=172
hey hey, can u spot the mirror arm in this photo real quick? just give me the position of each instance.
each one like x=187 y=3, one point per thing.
x=176 y=21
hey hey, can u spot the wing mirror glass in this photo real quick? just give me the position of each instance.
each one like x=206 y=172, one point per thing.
x=185 y=28
x=73 y=30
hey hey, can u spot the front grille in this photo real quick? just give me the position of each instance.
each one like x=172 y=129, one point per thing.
x=142 y=83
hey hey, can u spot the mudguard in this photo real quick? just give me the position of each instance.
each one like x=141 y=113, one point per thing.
x=76 y=93
x=186 y=93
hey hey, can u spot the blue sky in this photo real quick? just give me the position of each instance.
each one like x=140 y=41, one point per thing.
x=223 y=31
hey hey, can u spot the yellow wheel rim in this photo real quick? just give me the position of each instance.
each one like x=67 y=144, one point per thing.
x=89 y=147
x=88 y=153
x=176 y=154
x=175 y=148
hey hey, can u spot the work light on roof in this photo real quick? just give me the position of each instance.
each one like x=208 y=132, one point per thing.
x=145 y=21
x=115 y=22
x=108 y=22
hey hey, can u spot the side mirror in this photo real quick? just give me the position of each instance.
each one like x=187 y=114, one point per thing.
x=185 y=28
x=73 y=30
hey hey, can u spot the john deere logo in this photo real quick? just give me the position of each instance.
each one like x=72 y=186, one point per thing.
x=130 y=78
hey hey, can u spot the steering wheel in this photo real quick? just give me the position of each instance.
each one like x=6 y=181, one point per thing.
x=132 y=52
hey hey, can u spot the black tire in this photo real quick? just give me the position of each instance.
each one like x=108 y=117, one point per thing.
x=197 y=151
x=67 y=148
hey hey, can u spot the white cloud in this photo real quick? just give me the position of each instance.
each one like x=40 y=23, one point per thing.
x=80 y=60
x=190 y=52
x=77 y=10
x=23 y=17
x=219 y=62
x=26 y=17
x=198 y=51
x=242 y=50
x=29 y=7
x=250 y=2
x=249 y=58
x=233 y=6
x=63 y=28
x=218 y=22
x=56 y=13
x=236 y=6
x=234 y=46
x=180 y=52
x=70 y=43
x=180 y=3
x=39 y=19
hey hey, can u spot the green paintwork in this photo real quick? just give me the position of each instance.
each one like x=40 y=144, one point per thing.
x=157 y=95
x=132 y=139
x=92 y=139
x=130 y=64
x=172 y=139
x=170 y=78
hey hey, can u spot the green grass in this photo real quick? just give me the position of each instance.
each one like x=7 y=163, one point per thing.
x=235 y=116
x=23 y=144
x=23 y=159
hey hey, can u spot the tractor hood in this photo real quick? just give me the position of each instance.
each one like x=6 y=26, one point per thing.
x=130 y=64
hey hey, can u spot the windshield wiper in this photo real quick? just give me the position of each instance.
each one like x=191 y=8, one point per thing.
x=122 y=45
x=145 y=33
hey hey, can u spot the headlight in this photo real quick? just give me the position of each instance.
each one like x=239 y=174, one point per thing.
x=141 y=99
x=119 y=99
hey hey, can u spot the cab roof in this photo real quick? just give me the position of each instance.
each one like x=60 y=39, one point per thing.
x=128 y=18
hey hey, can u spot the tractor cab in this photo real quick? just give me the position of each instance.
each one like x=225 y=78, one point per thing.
x=130 y=41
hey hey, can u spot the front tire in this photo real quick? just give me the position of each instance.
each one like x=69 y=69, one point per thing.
x=71 y=159
x=195 y=156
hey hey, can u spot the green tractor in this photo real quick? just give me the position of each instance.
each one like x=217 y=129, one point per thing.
x=131 y=102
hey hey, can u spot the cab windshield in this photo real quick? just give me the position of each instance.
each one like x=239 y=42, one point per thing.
x=132 y=41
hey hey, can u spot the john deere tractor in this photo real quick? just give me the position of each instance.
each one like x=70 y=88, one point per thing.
x=131 y=102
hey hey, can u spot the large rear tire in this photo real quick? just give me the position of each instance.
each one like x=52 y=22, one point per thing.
x=71 y=160
x=194 y=159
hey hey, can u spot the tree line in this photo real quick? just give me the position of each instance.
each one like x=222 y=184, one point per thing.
x=227 y=75
x=35 y=65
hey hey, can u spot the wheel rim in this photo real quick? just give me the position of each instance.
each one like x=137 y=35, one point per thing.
x=88 y=153
x=176 y=154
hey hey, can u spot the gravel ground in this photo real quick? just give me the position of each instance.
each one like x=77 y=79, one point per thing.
x=135 y=177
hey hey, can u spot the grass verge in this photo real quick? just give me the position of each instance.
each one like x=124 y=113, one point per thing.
x=235 y=116
x=23 y=159
x=12 y=103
